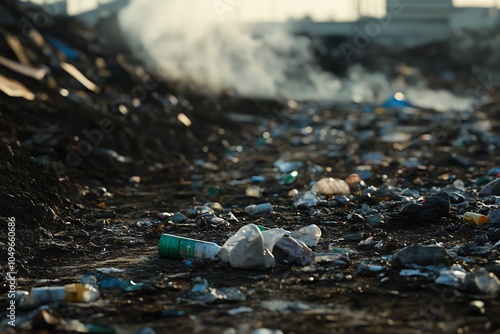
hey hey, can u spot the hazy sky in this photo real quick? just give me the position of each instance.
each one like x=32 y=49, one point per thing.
x=276 y=10
x=322 y=9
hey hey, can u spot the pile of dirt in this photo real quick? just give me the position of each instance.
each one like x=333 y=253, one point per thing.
x=80 y=114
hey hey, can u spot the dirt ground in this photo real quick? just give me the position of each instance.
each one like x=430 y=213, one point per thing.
x=71 y=221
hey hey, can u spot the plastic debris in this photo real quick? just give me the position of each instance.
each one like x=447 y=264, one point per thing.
x=287 y=167
x=397 y=101
x=256 y=209
x=338 y=259
x=413 y=272
x=110 y=283
x=130 y=285
x=419 y=255
x=253 y=191
x=340 y=250
x=434 y=207
x=310 y=235
x=290 y=178
x=111 y=270
x=475 y=218
x=240 y=310
x=331 y=186
x=202 y=293
x=175 y=247
x=367 y=267
x=258 y=178
x=246 y=250
x=255 y=247
x=307 y=200
x=454 y=277
x=75 y=292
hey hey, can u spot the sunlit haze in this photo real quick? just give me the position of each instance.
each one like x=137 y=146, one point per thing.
x=281 y=10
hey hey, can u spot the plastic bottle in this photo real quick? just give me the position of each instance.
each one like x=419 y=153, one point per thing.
x=256 y=209
x=174 y=247
x=474 y=218
x=76 y=292
x=290 y=177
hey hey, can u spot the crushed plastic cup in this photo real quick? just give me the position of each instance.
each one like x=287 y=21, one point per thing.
x=246 y=250
x=310 y=235
x=175 y=247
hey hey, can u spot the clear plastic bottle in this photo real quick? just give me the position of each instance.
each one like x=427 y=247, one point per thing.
x=256 y=209
x=76 y=292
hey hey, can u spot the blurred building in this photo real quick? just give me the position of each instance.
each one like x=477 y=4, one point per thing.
x=414 y=23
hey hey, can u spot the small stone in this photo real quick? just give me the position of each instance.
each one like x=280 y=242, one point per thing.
x=178 y=218
x=353 y=237
x=492 y=188
x=456 y=198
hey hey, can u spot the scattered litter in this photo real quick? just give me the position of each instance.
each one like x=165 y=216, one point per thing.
x=331 y=186
x=474 y=218
x=240 y=310
x=433 y=207
x=110 y=270
x=414 y=272
x=283 y=306
x=175 y=247
x=419 y=255
x=259 y=209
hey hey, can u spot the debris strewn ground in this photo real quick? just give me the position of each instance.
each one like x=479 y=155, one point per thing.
x=101 y=156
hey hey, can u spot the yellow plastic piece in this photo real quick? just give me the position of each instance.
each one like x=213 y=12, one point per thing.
x=74 y=292
x=475 y=218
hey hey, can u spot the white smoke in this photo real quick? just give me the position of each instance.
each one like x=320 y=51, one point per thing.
x=195 y=42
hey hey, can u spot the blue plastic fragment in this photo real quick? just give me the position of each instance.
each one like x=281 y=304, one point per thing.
x=67 y=50
x=111 y=283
